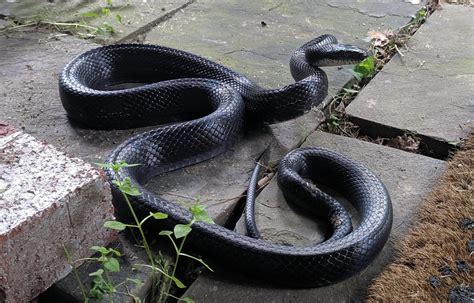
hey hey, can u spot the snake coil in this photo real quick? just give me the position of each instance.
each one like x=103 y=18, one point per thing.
x=211 y=101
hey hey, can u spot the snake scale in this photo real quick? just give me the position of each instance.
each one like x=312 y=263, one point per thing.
x=200 y=106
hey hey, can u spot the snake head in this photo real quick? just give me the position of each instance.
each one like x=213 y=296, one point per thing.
x=335 y=54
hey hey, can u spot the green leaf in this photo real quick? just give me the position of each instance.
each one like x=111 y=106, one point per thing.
x=356 y=75
x=109 y=2
x=181 y=230
x=115 y=225
x=100 y=249
x=366 y=67
x=97 y=273
x=115 y=252
x=177 y=282
x=199 y=214
x=105 y=11
x=127 y=187
x=159 y=216
x=112 y=264
x=165 y=233
x=187 y=300
x=118 y=18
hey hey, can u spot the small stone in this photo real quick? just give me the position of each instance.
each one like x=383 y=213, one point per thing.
x=445 y=270
x=462 y=266
x=461 y=294
x=470 y=246
x=434 y=281
x=467 y=223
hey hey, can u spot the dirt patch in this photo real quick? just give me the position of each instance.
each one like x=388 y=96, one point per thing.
x=434 y=262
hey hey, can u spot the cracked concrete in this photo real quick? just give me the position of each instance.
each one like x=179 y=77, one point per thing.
x=408 y=178
x=444 y=109
x=231 y=33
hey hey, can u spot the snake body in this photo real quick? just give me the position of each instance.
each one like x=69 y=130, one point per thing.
x=211 y=102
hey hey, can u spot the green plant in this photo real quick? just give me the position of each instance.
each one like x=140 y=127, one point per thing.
x=161 y=288
x=81 y=28
x=364 y=69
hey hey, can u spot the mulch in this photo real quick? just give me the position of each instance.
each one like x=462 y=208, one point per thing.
x=434 y=261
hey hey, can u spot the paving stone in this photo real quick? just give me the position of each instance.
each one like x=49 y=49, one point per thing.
x=408 y=178
x=232 y=33
x=135 y=16
x=33 y=61
x=428 y=91
x=48 y=202
x=29 y=73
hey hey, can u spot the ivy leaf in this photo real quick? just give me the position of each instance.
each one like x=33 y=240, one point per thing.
x=181 y=230
x=116 y=225
x=187 y=300
x=112 y=264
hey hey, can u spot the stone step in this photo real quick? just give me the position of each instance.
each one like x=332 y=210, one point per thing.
x=427 y=91
x=49 y=202
x=408 y=178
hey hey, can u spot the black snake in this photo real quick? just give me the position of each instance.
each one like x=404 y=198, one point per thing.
x=211 y=100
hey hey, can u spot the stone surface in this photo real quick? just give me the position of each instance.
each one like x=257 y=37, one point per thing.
x=218 y=184
x=440 y=59
x=257 y=38
x=408 y=178
x=30 y=67
x=135 y=16
x=48 y=202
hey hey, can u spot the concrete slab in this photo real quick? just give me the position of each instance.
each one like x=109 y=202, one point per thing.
x=48 y=202
x=257 y=38
x=30 y=66
x=408 y=177
x=429 y=90
x=134 y=16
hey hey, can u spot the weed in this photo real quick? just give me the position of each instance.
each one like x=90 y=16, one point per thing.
x=161 y=288
x=80 y=28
